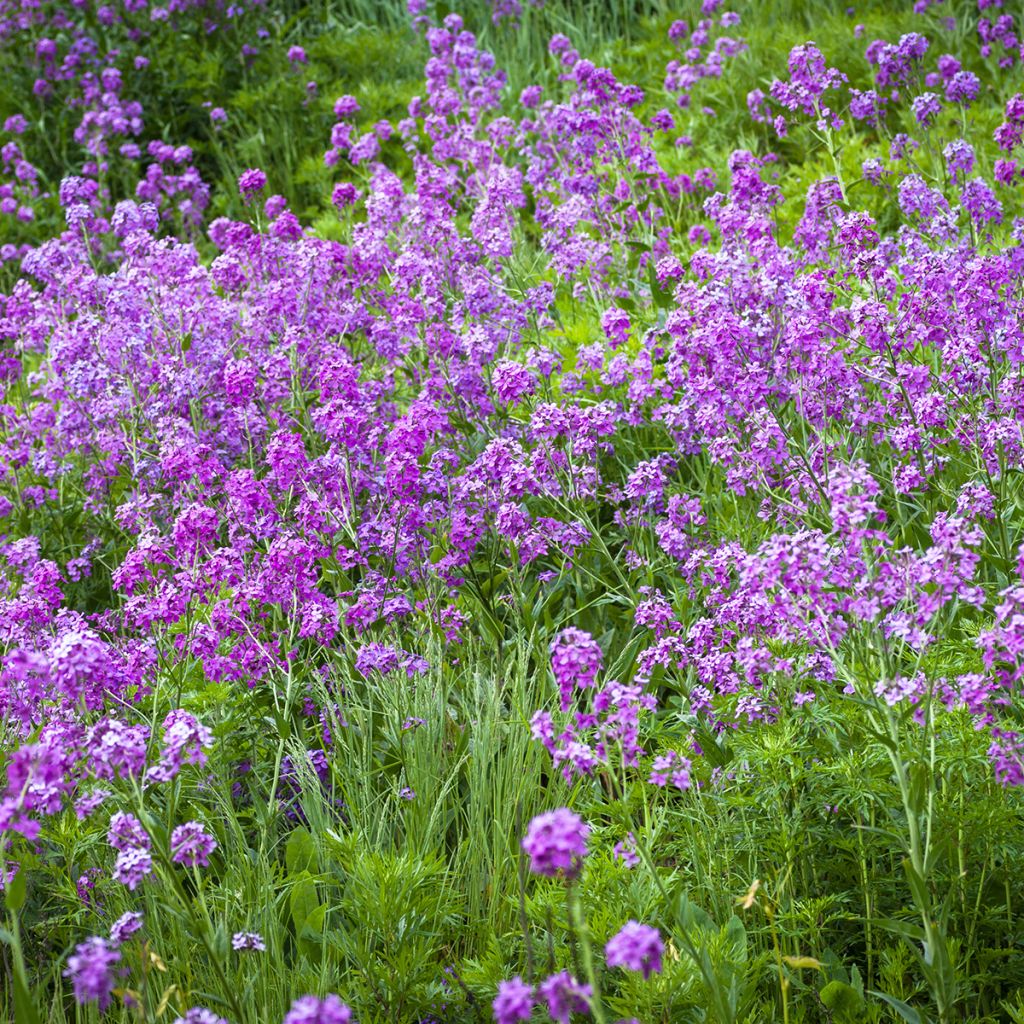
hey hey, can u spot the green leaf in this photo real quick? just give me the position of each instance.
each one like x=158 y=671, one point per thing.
x=303 y=900
x=300 y=852
x=311 y=935
x=736 y=934
x=908 y=1013
x=918 y=887
x=843 y=1001
x=911 y=932
x=24 y=1006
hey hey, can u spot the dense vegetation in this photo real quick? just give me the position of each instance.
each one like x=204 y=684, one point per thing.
x=511 y=511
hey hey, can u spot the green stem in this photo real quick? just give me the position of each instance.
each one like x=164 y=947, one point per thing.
x=578 y=924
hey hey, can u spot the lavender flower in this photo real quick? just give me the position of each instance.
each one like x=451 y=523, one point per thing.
x=200 y=1015
x=248 y=942
x=132 y=866
x=514 y=1001
x=637 y=947
x=250 y=182
x=90 y=969
x=556 y=842
x=191 y=845
x=310 y=1010
x=125 y=926
x=126 y=832
x=565 y=996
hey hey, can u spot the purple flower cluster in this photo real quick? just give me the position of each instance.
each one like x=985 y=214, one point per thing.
x=561 y=995
x=556 y=843
x=91 y=971
x=310 y=1010
x=575 y=661
x=248 y=942
x=637 y=947
x=191 y=845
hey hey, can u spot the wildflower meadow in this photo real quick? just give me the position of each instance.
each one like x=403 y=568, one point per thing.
x=511 y=511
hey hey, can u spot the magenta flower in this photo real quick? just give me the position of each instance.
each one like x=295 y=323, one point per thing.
x=125 y=927
x=191 y=845
x=512 y=381
x=90 y=969
x=556 y=843
x=132 y=866
x=565 y=996
x=575 y=661
x=248 y=942
x=514 y=1001
x=310 y=1010
x=637 y=947
x=250 y=182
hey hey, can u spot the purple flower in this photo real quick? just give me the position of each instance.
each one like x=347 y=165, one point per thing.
x=926 y=108
x=575 y=661
x=125 y=926
x=346 y=106
x=625 y=850
x=297 y=55
x=200 y=1015
x=344 y=194
x=959 y=157
x=85 y=805
x=191 y=845
x=132 y=866
x=963 y=88
x=248 y=942
x=530 y=96
x=514 y=1001
x=275 y=206
x=663 y=765
x=980 y=202
x=637 y=947
x=310 y=1010
x=185 y=737
x=251 y=181
x=1004 y=171
x=872 y=170
x=615 y=324
x=565 y=996
x=90 y=969
x=556 y=842
x=512 y=381
x=126 y=832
